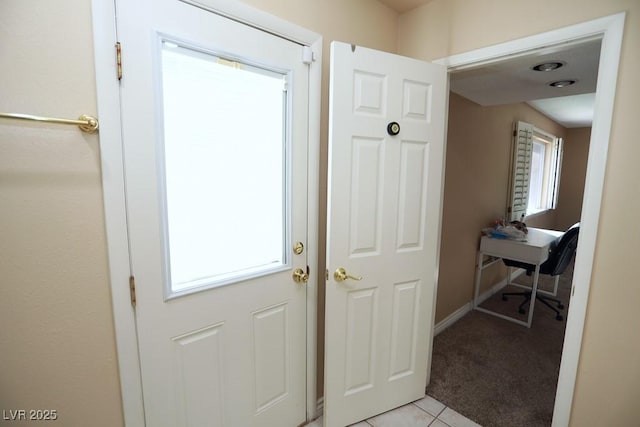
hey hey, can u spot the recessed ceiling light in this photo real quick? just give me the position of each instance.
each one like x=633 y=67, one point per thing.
x=548 y=66
x=562 y=83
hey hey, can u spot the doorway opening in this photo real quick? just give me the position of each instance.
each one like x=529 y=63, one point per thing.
x=609 y=29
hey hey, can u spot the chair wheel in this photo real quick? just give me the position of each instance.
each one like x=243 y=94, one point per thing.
x=559 y=317
x=560 y=306
x=504 y=298
x=522 y=311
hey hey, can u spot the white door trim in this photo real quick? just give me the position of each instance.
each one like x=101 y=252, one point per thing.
x=610 y=28
x=108 y=95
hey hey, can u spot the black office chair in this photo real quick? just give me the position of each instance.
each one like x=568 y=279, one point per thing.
x=560 y=254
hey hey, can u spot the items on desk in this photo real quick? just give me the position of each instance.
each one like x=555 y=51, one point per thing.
x=520 y=226
x=514 y=230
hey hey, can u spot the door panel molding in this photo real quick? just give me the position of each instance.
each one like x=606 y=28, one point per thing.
x=404 y=329
x=192 y=382
x=108 y=100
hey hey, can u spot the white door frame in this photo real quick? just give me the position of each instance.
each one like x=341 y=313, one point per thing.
x=108 y=95
x=610 y=28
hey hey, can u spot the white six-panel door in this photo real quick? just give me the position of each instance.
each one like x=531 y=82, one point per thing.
x=213 y=217
x=385 y=194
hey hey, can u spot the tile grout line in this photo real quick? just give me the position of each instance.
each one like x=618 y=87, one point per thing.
x=425 y=411
x=438 y=417
x=435 y=417
x=442 y=411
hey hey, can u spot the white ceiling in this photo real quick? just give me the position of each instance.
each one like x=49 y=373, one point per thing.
x=575 y=111
x=513 y=81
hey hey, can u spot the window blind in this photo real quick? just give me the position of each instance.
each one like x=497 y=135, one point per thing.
x=521 y=170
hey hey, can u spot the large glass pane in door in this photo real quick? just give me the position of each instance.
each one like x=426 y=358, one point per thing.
x=225 y=169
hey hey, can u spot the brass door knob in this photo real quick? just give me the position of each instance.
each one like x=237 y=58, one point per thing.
x=341 y=275
x=299 y=276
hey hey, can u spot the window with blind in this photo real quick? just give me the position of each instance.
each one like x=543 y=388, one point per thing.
x=535 y=171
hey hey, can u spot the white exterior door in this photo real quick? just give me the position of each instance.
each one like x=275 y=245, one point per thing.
x=386 y=152
x=215 y=132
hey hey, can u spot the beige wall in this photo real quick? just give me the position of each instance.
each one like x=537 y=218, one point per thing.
x=574 y=170
x=609 y=366
x=57 y=345
x=476 y=191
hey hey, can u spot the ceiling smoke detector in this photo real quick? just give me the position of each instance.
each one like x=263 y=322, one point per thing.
x=548 y=66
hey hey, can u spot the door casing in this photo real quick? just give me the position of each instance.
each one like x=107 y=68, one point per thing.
x=610 y=29
x=108 y=97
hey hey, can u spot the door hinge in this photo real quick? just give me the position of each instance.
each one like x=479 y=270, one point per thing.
x=119 y=60
x=132 y=290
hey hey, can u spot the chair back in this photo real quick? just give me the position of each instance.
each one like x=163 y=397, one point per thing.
x=561 y=254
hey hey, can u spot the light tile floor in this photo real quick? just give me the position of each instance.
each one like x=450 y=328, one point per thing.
x=424 y=412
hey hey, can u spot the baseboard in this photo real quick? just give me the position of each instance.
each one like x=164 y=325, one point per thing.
x=452 y=318
x=459 y=313
x=498 y=286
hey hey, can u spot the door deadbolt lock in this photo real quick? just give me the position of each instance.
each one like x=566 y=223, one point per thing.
x=299 y=276
x=298 y=248
x=341 y=275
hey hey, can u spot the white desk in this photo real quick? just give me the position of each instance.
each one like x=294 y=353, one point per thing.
x=534 y=251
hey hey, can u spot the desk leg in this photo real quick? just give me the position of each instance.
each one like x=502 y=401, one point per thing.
x=534 y=289
x=476 y=291
x=476 y=295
